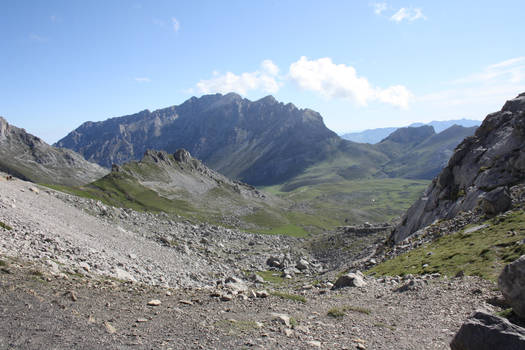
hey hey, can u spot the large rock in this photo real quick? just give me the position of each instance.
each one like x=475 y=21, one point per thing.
x=483 y=331
x=496 y=201
x=492 y=159
x=511 y=282
x=350 y=280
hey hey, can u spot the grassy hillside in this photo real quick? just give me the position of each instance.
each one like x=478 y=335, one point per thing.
x=356 y=201
x=332 y=193
x=482 y=253
x=303 y=211
x=426 y=159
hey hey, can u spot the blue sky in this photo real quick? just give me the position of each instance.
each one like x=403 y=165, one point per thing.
x=361 y=64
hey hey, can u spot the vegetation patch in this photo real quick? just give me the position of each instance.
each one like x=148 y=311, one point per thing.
x=339 y=312
x=236 y=326
x=294 y=297
x=321 y=206
x=5 y=226
x=271 y=276
x=480 y=253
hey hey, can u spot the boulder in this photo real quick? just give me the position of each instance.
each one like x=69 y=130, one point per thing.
x=274 y=262
x=302 y=264
x=235 y=285
x=483 y=331
x=511 y=282
x=123 y=275
x=349 y=280
x=496 y=201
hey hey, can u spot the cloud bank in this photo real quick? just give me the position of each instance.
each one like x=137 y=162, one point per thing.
x=265 y=79
x=342 y=81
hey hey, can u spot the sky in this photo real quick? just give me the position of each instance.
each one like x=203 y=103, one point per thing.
x=361 y=64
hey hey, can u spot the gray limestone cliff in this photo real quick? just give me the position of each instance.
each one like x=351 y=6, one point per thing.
x=478 y=174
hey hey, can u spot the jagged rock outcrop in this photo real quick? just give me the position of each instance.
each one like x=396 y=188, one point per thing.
x=491 y=160
x=28 y=157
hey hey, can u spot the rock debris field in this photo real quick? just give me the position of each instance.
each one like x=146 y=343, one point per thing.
x=76 y=274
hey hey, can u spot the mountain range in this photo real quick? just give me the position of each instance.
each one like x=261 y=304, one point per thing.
x=262 y=143
x=373 y=136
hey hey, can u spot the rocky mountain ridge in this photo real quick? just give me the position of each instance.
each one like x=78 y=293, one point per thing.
x=261 y=142
x=479 y=173
x=28 y=157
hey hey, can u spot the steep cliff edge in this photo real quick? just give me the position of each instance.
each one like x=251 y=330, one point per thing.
x=478 y=174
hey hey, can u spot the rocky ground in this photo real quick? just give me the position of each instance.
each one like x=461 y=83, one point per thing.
x=42 y=311
x=72 y=234
x=77 y=274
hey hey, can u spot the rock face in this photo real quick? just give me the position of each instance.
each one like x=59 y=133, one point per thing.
x=261 y=142
x=483 y=331
x=491 y=160
x=511 y=282
x=28 y=157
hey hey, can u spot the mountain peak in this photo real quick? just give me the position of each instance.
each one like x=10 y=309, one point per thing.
x=267 y=100
x=516 y=104
x=182 y=156
x=411 y=135
x=238 y=137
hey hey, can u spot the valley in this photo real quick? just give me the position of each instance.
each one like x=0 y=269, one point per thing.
x=266 y=175
x=321 y=259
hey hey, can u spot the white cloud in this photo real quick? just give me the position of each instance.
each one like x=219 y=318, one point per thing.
x=142 y=79
x=342 y=81
x=265 y=80
x=379 y=7
x=408 y=14
x=269 y=67
x=176 y=24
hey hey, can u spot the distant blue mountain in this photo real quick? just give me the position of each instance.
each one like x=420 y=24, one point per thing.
x=439 y=126
x=376 y=135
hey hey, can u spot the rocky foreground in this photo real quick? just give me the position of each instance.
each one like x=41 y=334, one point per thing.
x=41 y=310
x=77 y=274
